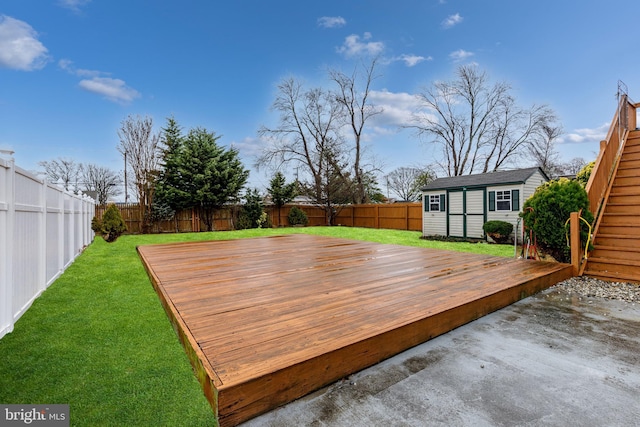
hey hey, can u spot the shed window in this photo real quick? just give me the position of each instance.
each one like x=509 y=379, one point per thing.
x=503 y=200
x=434 y=203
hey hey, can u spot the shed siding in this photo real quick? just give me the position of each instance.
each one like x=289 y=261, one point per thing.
x=433 y=223
x=475 y=214
x=455 y=202
x=530 y=186
x=455 y=226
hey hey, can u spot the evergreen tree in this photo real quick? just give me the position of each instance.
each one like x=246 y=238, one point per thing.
x=170 y=192
x=281 y=193
x=210 y=174
x=252 y=214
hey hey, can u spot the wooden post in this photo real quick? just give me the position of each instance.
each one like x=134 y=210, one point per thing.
x=576 y=250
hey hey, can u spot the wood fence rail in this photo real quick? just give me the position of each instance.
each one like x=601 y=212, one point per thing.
x=396 y=216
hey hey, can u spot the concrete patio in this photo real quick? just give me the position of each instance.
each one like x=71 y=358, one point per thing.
x=554 y=359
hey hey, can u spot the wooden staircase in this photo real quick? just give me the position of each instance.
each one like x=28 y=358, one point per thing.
x=616 y=254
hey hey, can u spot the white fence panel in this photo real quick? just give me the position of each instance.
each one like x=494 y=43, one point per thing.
x=42 y=230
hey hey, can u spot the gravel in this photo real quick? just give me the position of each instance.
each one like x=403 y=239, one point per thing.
x=590 y=287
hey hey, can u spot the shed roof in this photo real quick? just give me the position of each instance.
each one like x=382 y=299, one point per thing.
x=516 y=176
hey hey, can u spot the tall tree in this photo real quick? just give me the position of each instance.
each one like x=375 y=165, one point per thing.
x=62 y=171
x=140 y=148
x=281 y=193
x=211 y=175
x=478 y=125
x=104 y=182
x=306 y=137
x=353 y=95
x=169 y=189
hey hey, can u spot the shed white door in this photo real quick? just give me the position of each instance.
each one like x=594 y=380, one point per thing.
x=467 y=213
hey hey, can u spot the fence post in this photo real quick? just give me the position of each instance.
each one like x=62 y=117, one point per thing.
x=7 y=217
x=576 y=250
x=61 y=235
x=42 y=237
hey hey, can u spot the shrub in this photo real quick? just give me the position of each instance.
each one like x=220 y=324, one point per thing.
x=585 y=173
x=96 y=225
x=112 y=224
x=547 y=211
x=252 y=214
x=499 y=231
x=297 y=216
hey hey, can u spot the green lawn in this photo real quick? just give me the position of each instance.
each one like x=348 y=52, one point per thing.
x=99 y=340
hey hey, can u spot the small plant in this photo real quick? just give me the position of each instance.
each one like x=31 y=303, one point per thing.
x=547 y=211
x=499 y=231
x=112 y=224
x=297 y=216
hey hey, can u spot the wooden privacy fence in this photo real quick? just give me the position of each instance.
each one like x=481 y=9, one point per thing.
x=397 y=216
x=42 y=230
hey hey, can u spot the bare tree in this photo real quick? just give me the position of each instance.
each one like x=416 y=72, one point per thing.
x=102 y=181
x=306 y=137
x=406 y=182
x=573 y=166
x=357 y=110
x=140 y=147
x=65 y=172
x=542 y=150
x=478 y=125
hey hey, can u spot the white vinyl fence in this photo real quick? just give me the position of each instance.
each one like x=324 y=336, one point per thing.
x=42 y=230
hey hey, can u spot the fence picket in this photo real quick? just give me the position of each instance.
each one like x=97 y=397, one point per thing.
x=396 y=216
x=42 y=230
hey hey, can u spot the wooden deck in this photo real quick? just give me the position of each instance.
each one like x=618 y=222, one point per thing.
x=267 y=320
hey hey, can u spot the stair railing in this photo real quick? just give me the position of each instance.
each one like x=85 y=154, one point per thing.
x=599 y=185
x=610 y=150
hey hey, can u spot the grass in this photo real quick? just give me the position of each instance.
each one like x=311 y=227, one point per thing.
x=99 y=340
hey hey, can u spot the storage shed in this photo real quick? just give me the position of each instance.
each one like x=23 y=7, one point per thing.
x=459 y=206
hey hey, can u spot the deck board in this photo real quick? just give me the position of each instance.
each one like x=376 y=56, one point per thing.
x=267 y=320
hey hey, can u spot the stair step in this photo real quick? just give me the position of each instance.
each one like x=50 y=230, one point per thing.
x=631 y=155
x=627 y=172
x=626 y=181
x=623 y=208
x=629 y=163
x=625 y=190
x=620 y=219
x=616 y=230
x=614 y=262
x=618 y=241
x=616 y=254
x=624 y=199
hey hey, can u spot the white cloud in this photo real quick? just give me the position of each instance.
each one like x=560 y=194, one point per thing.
x=586 y=135
x=460 y=55
x=250 y=147
x=412 y=60
x=331 y=21
x=20 y=48
x=73 y=5
x=397 y=107
x=113 y=89
x=354 y=45
x=67 y=65
x=452 y=20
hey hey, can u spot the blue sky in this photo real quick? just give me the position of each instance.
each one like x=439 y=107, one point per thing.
x=72 y=70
